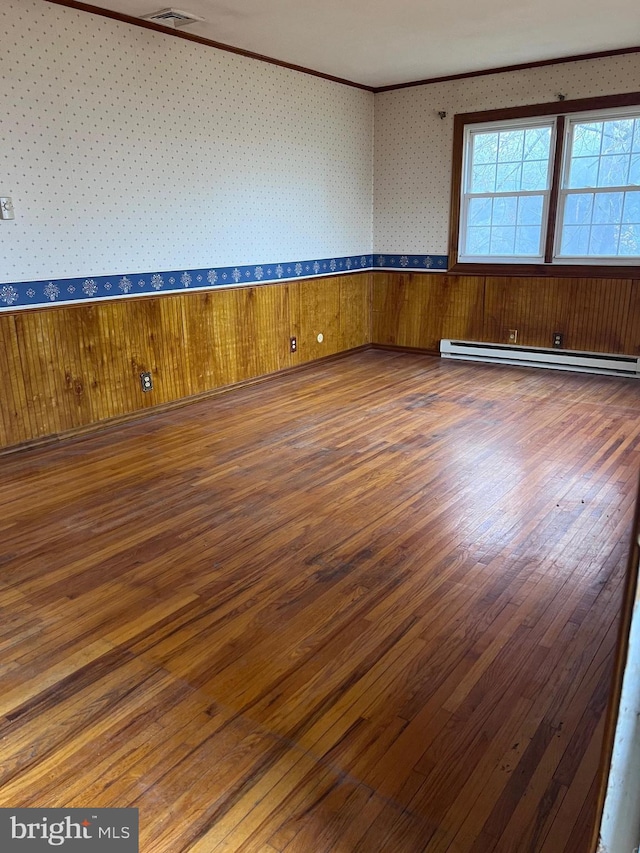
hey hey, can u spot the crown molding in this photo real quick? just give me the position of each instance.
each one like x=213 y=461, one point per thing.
x=158 y=28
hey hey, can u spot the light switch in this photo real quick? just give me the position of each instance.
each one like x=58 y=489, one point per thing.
x=6 y=209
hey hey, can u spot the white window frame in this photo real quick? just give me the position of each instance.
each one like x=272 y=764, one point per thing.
x=562 y=115
x=564 y=191
x=466 y=196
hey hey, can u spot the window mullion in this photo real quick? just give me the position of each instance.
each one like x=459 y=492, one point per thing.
x=507 y=194
x=556 y=174
x=624 y=188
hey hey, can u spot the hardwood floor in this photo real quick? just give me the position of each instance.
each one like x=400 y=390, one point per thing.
x=368 y=607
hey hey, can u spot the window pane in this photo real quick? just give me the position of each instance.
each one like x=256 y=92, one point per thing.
x=584 y=172
x=485 y=148
x=483 y=179
x=617 y=136
x=505 y=225
x=634 y=170
x=530 y=210
x=578 y=209
x=480 y=211
x=631 y=212
x=527 y=240
x=535 y=175
x=607 y=208
x=602 y=223
x=537 y=141
x=510 y=146
x=478 y=240
x=503 y=240
x=504 y=210
x=508 y=177
x=604 y=240
x=587 y=139
x=630 y=240
x=614 y=169
x=575 y=240
x=601 y=154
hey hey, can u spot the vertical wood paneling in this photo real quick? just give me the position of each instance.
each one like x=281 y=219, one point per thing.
x=22 y=344
x=198 y=345
x=418 y=310
x=16 y=413
x=225 y=333
x=245 y=333
x=320 y=314
x=632 y=337
x=592 y=314
x=55 y=386
x=76 y=398
x=53 y=346
x=458 y=307
x=270 y=342
x=26 y=341
x=65 y=368
x=355 y=309
x=262 y=330
x=390 y=310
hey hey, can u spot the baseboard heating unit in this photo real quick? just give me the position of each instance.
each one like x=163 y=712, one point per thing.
x=553 y=359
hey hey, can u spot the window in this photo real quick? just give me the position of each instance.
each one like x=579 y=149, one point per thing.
x=506 y=191
x=536 y=189
x=599 y=211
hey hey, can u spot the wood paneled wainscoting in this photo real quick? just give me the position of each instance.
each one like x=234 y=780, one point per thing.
x=419 y=309
x=67 y=368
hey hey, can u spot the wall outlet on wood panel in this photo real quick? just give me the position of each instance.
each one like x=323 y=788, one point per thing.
x=146 y=382
x=293 y=345
x=558 y=340
x=513 y=336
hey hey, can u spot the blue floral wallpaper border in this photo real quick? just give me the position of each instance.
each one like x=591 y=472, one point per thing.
x=34 y=294
x=433 y=263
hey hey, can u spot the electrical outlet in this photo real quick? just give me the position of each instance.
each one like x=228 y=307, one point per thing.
x=513 y=336
x=558 y=340
x=146 y=382
x=293 y=345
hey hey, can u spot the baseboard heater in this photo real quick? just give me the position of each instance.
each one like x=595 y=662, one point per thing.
x=583 y=362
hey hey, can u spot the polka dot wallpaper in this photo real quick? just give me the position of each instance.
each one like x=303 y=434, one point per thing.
x=412 y=172
x=139 y=162
x=126 y=150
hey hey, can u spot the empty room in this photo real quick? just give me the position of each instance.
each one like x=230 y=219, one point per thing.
x=319 y=427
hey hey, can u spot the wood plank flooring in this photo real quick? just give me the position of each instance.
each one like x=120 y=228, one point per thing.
x=371 y=606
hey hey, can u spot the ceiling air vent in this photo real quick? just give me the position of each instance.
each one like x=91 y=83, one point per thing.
x=173 y=18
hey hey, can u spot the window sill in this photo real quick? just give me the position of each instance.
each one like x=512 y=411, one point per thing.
x=546 y=270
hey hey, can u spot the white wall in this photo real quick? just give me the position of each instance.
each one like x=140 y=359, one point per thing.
x=127 y=150
x=620 y=828
x=620 y=825
x=412 y=172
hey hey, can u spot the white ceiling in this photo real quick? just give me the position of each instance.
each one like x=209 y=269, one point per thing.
x=397 y=41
